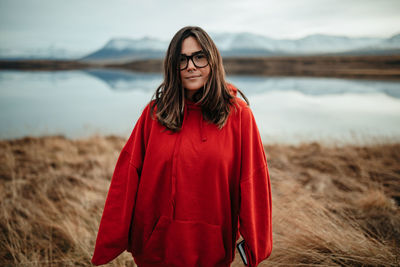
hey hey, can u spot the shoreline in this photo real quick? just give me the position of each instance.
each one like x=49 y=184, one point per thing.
x=357 y=67
x=333 y=142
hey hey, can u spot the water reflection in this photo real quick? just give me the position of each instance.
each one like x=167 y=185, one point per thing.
x=83 y=103
x=316 y=86
x=126 y=80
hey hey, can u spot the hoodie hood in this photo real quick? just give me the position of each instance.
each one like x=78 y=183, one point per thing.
x=232 y=89
x=194 y=107
x=197 y=106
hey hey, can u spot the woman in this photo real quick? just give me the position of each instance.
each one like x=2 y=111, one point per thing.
x=193 y=173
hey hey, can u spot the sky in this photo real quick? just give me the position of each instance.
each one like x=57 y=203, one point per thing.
x=81 y=26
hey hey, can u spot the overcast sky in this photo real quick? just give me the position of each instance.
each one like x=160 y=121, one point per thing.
x=85 y=25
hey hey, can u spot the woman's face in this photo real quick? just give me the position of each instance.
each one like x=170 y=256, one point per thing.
x=193 y=78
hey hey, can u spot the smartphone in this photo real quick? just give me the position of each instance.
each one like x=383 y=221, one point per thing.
x=240 y=247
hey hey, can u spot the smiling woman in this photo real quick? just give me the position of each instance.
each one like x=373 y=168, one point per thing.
x=194 y=68
x=193 y=175
x=193 y=71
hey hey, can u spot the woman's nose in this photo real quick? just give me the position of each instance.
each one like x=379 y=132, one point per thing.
x=191 y=65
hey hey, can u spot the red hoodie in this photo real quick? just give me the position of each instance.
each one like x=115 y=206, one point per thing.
x=180 y=199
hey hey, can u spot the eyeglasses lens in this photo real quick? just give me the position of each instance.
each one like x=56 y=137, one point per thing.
x=199 y=60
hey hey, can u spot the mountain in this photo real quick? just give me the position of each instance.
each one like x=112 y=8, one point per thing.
x=317 y=43
x=244 y=44
x=51 y=52
x=124 y=50
x=248 y=44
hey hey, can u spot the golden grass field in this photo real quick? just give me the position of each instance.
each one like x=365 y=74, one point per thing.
x=332 y=205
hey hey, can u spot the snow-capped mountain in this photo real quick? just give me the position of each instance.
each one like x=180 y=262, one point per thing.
x=51 y=52
x=391 y=43
x=124 y=50
x=235 y=41
x=229 y=44
x=317 y=43
x=248 y=44
x=145 y=43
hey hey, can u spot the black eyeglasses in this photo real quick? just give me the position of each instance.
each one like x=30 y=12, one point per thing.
x=199 y=60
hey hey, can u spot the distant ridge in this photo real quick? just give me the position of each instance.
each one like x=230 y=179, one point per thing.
x=251 y=45
x=244 y=44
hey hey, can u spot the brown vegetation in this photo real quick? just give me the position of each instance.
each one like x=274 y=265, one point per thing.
x=369 y=67
x=43 y=65
x=332 y=206
x=372 y=67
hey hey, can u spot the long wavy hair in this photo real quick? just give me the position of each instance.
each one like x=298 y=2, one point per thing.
x=214 y=96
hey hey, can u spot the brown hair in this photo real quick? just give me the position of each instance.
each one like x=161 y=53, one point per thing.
x=214 y=97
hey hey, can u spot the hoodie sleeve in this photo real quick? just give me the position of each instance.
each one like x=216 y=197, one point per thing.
x=255 y=222
x=112 y=237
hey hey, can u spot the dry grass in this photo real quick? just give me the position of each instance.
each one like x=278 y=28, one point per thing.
x=332 y=206
x=335 y=206
x=343 y=66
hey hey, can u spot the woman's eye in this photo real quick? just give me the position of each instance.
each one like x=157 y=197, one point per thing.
x=199 y=56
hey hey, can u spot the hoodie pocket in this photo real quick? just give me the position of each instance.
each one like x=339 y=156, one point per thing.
x=185 y=243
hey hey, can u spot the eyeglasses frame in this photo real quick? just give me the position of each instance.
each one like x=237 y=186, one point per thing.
x=191 y=58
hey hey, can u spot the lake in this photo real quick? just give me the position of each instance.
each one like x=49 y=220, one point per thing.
x=82 y=103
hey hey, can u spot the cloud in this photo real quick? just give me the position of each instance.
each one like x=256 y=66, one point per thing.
x=88 y=24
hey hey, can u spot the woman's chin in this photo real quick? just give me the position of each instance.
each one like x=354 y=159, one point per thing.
x=193 y=87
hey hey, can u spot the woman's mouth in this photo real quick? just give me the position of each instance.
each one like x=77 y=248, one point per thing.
x=193 y=77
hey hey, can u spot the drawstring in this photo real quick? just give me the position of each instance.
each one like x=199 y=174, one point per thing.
x=203 y=138
x=174 y=166
x=202 y=121
x=202 y=132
